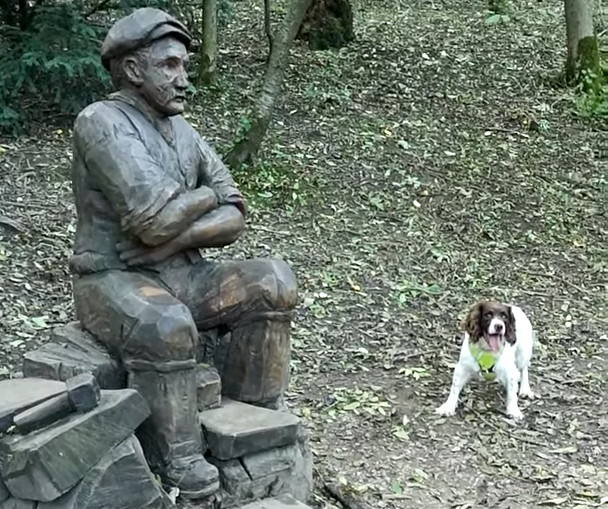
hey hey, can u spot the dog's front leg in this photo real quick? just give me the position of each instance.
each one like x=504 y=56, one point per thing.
x=512 y=404
x=461 y=376
x=524 y=388
x=508 y=375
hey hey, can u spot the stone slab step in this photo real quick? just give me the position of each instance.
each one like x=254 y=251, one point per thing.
x=238 y=429
x=280 y=502
x=45 y=464
x=70 y=352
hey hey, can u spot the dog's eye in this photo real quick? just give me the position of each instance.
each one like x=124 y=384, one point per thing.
x=489 y=314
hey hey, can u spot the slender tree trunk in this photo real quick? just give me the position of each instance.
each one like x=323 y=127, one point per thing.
x=208 y=54
x=250 y=141
x=23 y=14
x=267 y=28
x=583 y=53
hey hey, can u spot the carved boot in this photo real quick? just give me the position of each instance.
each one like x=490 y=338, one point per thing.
x=172 y=437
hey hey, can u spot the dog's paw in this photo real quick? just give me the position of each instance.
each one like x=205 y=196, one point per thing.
x=526 y=392
x=447 y=409
x=515 y=413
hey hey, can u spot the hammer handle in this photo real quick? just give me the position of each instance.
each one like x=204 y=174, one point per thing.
x=42 y=415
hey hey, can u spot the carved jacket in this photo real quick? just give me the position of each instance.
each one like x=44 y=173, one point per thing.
x=126 y=167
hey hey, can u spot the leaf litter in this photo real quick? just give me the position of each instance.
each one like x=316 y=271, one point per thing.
x=426 y=165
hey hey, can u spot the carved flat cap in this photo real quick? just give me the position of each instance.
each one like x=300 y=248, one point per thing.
x=139 y=28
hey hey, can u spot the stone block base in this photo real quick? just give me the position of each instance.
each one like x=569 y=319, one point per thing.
x=94 y=460
x=259 y=453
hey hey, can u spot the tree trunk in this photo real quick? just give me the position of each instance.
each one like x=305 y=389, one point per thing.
x=583 y=62
x=250 y=141
x=327 y=24
x=207 y=73
x=267 y=27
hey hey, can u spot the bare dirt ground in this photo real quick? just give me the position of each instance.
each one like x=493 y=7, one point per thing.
x=429 y=164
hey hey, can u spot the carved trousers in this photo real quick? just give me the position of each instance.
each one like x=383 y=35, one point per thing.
x=151 y=321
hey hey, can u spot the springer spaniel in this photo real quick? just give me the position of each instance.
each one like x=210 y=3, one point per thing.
x=498 y=344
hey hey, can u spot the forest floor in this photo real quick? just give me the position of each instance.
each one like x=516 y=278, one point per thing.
x=430 y=163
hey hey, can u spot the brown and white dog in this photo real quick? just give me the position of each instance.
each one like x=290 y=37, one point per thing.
x=498 y=344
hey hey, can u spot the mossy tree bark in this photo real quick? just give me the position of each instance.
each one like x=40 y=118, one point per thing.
x=249 y=142
x=583 y=61
x=207 y=72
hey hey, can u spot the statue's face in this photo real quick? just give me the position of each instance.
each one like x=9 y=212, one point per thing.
x=162 y=76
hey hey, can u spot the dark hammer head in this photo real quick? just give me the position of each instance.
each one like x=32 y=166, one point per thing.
x=83 y=392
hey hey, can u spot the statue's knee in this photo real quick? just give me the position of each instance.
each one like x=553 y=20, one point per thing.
x=281 y=287
x=161 y=334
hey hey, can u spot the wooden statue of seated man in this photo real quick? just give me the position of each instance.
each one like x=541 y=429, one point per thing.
x=149 y=193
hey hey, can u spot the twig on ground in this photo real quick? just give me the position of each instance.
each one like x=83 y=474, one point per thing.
x=418 y=354
x=498 y=428
x=338 y=230
x=507 y=291
x=27 y=205
x=15 y=226
x=270 y=230
x=508 y=131
x=559 y=278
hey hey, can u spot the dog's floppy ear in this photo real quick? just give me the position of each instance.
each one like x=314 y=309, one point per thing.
x=472 y=322
x=510 y=336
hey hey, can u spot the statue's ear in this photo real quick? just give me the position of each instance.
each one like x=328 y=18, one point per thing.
x=132 y=70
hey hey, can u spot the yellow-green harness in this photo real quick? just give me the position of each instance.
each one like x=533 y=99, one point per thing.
x=486 y=360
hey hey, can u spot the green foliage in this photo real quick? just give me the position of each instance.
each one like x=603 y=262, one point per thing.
x=53 y=62
x=243 y=129
x=591 y=95
x=276 y=184
x=358 y=401
x=495 y=19
x=593 y=104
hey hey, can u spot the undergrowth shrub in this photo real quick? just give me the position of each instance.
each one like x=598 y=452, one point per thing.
x=50 y=54
x=593 y=101
x=54 y=63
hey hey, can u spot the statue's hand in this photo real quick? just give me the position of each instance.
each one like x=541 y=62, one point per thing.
x=133 y=253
